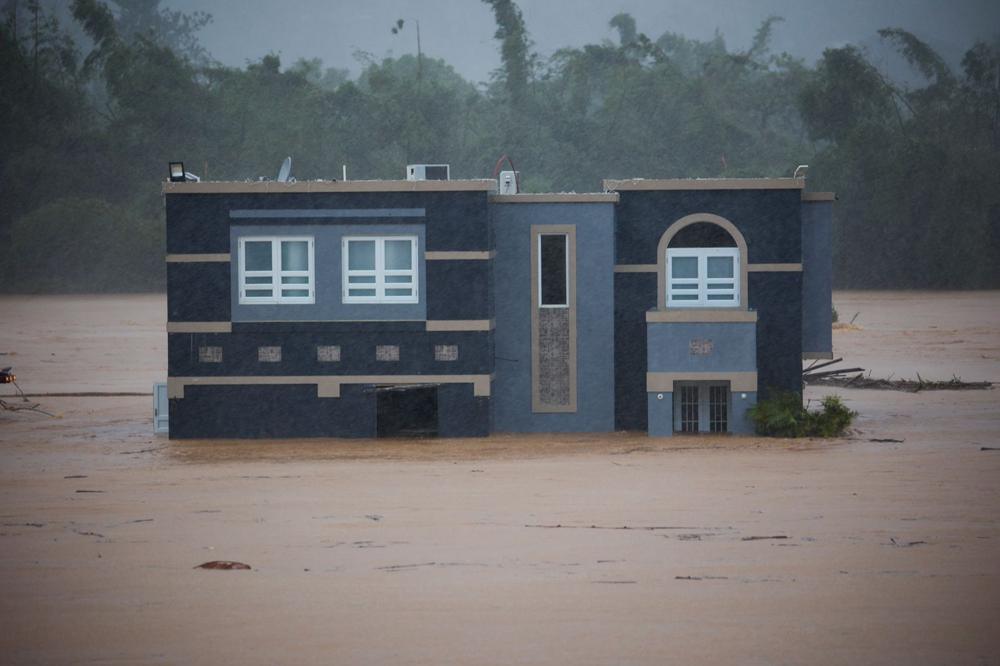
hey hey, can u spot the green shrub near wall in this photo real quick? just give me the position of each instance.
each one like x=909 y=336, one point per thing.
x=85 y=245
x=784 y=416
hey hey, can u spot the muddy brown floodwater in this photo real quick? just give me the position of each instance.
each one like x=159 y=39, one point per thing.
x=507 y=549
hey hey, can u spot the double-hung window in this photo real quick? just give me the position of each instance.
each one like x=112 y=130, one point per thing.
x=277 y=269
x=380 y=269
x=703 y=277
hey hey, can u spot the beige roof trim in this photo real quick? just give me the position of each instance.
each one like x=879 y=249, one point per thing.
x=557 y=197
x=328 y=386
x=819 y=196
x=664 y=381
x=275 y=187
x=705 y=184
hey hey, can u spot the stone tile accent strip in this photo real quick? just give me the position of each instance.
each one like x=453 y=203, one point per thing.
x=210 y=354
x=700 y=347
x=387 y=352
x=328 y=353
x=445 y=352
x=269 y=354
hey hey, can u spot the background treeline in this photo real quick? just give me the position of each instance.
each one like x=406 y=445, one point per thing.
x=93 y=107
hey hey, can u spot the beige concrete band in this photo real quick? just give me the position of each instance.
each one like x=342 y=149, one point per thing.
x=328 y=386
x=705 y=184
x=199 y=327
x=537 y=405
x=751 y=268
x=664 y=381
x=774 y=268
x=273 y=186
x=461 y=324
x=446 y=255
x=636 y=268
x=701 y=315
x=197 y=258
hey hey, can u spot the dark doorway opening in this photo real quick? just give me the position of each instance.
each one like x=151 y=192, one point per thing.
x=407 y=411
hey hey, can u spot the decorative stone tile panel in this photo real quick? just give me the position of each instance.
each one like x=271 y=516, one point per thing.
x=269 y=354
x=553 y=356
x=328 y=353
x=387 y=352
x=445 y=352
x=700 y=347
x=210 y=354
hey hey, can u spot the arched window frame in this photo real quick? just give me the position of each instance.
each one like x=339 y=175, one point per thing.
x=661 y=259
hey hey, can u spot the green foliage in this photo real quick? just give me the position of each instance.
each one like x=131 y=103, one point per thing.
x=514 y=46
x=917 y=170
x=784 y=416
x=86 y=245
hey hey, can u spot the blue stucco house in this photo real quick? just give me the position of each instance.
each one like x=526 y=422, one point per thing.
x=440 y=307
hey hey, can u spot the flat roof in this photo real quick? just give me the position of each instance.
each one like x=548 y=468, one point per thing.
x=275 y=187
x=557 y=197
x=705 y=184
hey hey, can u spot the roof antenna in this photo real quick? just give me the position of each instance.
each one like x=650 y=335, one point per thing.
x=286 y=169
x=800 y=171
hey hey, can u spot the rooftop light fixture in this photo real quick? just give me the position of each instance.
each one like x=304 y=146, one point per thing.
x=177 y=172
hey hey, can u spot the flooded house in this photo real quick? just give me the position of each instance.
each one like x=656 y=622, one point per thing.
x=459 y=308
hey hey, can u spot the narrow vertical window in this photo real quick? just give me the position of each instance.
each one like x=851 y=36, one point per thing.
x=553 y=273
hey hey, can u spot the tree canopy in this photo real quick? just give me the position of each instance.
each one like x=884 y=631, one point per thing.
x=91 y=113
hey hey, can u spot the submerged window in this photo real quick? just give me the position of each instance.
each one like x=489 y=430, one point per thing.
x=277 y=270
x=703 y=277
x=380 y=269
x=553 y=271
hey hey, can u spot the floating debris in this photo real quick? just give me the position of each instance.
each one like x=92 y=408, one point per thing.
x=224 y=565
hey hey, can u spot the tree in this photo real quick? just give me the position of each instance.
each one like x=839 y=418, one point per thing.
x=514 y=49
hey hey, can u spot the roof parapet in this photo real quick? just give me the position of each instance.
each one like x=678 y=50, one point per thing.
x=276 y=187
x=681 y=184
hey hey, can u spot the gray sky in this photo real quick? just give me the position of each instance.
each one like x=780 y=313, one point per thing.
x=461 y=31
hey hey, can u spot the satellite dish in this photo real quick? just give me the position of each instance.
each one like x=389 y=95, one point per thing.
x=285 y=171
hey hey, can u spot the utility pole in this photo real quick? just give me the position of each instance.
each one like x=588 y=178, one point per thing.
x=420 y=55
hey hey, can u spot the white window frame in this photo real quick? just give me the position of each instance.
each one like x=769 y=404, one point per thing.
x=565 y=238
x=380 y=272
x=702 y=254
x=276 y=273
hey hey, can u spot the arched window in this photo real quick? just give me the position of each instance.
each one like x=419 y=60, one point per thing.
x=702 y=264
